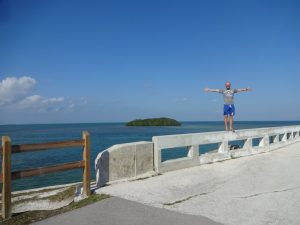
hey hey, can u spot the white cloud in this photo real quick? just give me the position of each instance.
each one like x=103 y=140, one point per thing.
x=17 y=94
x=31 y=100
x=83 y=100
x=54 y=100
x=42 y=103
x=182 y=99
x=71 y=107
x=13 y=89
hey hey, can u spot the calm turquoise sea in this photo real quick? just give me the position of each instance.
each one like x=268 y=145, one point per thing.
x=103 y=135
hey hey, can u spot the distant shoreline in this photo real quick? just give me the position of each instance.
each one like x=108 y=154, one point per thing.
x=163 y=121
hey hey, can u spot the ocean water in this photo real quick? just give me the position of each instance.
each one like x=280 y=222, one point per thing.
x=103 y=136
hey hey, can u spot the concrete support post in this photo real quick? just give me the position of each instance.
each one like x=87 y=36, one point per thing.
x=157 y=158
x=288 y=136
x=276 y=139
x=284 y=138
x=193 y=151
x=248 y=144
x=223 y=147
x=264 y=142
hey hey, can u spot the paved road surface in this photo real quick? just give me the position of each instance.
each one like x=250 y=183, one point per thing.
x=117 y=211
x=258 y=190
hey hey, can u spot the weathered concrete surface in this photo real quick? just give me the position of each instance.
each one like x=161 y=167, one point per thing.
x=261 y=189
x=41 y=199
x=143 y=159
x=124 y=161
x=116 y=211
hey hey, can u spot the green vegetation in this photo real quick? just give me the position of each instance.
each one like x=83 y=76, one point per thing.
x=154 y=122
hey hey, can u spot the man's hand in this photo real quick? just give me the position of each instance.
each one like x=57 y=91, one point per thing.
x=206 y=89
x=248 y=89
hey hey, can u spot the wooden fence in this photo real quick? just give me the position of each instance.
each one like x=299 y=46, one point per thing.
x=7 y=175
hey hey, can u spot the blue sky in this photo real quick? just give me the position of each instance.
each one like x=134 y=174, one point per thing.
x=108 y=61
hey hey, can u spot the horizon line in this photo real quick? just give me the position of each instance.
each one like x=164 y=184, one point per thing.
x=183 y=121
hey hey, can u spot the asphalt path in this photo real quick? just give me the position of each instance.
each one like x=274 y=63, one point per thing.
x=263 y=189
x=118 y=211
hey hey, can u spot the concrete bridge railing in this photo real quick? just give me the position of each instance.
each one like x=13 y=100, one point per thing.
x=268 y=139
x=138 y=160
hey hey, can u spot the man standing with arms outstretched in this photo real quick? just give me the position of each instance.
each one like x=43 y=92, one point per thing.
x=229 y=109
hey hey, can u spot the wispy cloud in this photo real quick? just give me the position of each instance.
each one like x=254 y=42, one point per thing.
x=18 y=93
x=41 y=103
x=83 y=100
x=181 y=99
x=71 y=107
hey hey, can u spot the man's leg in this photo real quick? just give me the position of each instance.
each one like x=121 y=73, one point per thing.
x=231 y=122
x=226 y=122
x=232 y=113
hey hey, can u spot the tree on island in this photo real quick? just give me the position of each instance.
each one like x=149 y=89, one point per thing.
x=154 y=122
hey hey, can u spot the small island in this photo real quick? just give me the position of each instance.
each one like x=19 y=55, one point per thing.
x=154 y=122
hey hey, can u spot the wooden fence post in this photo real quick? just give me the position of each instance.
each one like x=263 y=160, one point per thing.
x=87 y=168
x=6 y=178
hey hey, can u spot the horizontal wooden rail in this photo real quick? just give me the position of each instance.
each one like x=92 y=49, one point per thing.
x=44 y=146
x=47 y=169
x=6 y=175
x=44 y=170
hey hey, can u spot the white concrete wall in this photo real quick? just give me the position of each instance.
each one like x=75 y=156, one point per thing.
x=124 y=161
x=142 y=159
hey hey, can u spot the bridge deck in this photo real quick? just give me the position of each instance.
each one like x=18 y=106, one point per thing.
x=261 y=189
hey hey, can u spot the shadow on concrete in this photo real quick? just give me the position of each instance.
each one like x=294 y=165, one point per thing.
x=102 y=169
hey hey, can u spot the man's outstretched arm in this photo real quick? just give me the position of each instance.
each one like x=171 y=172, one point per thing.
x=212 y=90
x=243 y=89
